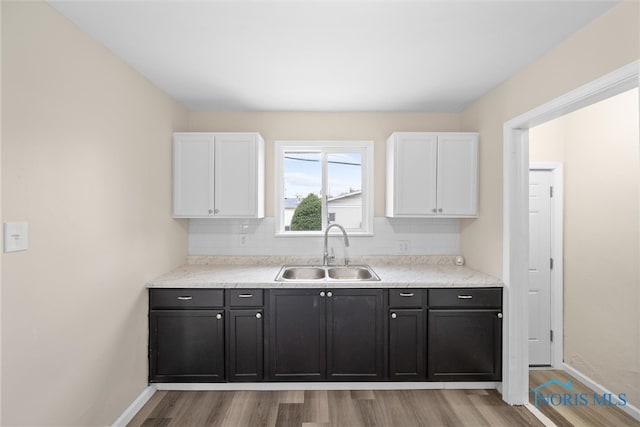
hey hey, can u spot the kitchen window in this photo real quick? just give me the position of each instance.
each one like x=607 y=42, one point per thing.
x=323 y=182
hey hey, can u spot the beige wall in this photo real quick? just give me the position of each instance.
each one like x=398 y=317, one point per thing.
x=319 y=126
x=86 y=160
x=600 y=149
x=606 y=44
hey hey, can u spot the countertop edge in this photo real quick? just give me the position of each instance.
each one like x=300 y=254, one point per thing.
x=262 y=277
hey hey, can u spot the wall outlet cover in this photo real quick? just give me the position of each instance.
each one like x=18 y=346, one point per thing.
x=16 y=236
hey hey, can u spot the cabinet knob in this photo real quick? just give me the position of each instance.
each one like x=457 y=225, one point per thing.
x=393 y=315
x=322 y=293
x=258 y=316
x=499 y=315
x=218 y=210
x=435 y=210
x=210 y=211
x=440 y=210
x=218 y=316
x=329 y=294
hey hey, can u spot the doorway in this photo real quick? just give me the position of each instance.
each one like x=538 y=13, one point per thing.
x=545 y=265
x=515 y=387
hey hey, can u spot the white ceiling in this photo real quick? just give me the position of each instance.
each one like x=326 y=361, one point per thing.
x=329 y=55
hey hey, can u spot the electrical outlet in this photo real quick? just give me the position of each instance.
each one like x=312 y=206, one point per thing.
x=403 y=246
x=16 y=236
x=243 y=239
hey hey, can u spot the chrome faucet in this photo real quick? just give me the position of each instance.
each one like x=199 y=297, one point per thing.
x=326 y=257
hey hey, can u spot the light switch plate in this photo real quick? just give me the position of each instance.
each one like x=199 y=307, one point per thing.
x=16 y=236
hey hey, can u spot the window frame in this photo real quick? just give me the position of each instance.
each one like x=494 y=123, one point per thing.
x=365 y=148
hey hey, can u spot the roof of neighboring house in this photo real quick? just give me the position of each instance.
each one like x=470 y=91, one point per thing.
x=293 y=202
x=344 y=196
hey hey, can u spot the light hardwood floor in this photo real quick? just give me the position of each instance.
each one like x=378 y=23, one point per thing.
x=582 y=415
x=401 y=408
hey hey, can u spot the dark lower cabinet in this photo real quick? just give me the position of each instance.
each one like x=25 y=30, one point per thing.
x=464 y=345
x=186 y=346
x=407 y=344
x=320 y=334
x=355 y=347
x=297 y=334
x=215 y=335
x=245 y=345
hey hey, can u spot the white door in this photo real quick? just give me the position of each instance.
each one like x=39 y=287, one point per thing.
x=540 y=267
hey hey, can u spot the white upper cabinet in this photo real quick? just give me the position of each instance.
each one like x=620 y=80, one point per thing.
x=218 y=175
x=432 y=174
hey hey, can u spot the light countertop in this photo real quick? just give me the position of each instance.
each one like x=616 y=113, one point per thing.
x=260 y=272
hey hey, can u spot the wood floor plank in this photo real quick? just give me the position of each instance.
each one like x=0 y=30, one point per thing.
x=322 y=408
x=576 y=415
x=146 y=410
x=316 y=407
x=156 y=422
x=342 y=412
x=289 y=414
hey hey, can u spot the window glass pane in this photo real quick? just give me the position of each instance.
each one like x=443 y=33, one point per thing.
x=302 y=191
x=344 y=177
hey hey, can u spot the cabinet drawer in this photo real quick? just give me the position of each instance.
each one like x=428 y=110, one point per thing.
x=185 y=298
x=406 y=297
x=466 y=297
x=245 y=297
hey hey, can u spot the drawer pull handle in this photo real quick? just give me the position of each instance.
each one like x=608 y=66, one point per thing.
x=218 y=316
x=499 y=315
x=465 y=296
x=406 y=294
x=393 y=315
x=258 y=316
x=185 y=298
x=245 y=296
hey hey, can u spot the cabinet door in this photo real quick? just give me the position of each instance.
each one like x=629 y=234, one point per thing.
x=186 y=346
x=355 y=347
x=414 y=174
x=407 y=344
x=457 y=175
x=236 y=175
x=192 y=175
x=245 y=345
x=297 y=334
x=464 y=345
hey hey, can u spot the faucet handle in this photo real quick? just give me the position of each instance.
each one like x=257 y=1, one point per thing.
x=332 y=256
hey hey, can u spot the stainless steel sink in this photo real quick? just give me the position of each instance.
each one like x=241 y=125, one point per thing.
x=349 y=272
x=301 y=273
x=345 y=273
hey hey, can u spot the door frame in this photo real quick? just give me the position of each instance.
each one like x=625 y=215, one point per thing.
x=557 y=272
x=515 y=225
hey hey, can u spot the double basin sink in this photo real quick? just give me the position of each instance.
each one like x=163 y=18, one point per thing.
x=337 y=273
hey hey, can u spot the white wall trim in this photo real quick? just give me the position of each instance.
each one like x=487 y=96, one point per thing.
x=328 y=386
x=546 y=421
x=135 y=407
x=516 y=218
x=600 y=389
x=557 y=245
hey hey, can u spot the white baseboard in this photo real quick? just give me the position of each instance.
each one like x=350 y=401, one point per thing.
x=539 y=415
x=327 y=386
x=598 y=388
x=133 y=409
